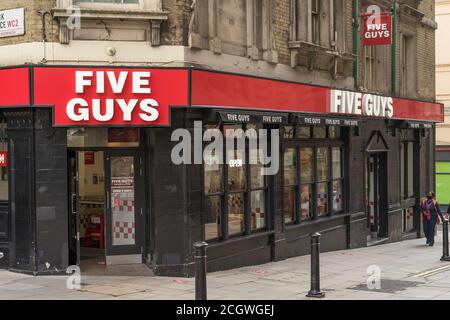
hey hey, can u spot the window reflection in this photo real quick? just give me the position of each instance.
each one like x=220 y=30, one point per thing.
x=305 y=202
x=303 y=132
x=306 y=165
x=336 y=158
x=290 y=167
x=213 y=174
x=236 y=171
x=235 y=213
x=258 y=210
x=337 y=196
x=289 y=204
x=212 y=217
x=319 y=132
x=322 y=199
x=322 y=164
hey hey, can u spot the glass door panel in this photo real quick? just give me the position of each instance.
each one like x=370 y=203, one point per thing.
x=123 y=207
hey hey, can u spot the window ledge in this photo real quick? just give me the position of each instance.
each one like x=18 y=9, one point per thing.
x=311 y=50
x=317 y=221
x=124 y=14
x=237 y=239
x=154 y=17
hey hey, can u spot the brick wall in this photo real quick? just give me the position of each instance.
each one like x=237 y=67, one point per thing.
x=33 y=21
x=426 y=57
x=281 y=29
x=175 y=30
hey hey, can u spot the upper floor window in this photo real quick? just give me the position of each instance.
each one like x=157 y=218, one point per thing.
x=407 y=66
x=318 y=22
x=315 y=21
x=236 y=27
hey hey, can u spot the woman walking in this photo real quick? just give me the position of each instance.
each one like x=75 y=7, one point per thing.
x=431 y=214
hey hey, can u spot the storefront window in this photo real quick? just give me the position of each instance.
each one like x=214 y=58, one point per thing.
x=407 y=170
x=236 y=184
x=408 y=219
x=290 y=183
x=3 y=184
x=212 y=217
x=290 y=167
x=236 y=213
x=402 y=171
x=288 y=132
x=320 y=188
x=258 y=186
x=240 y=202
x=258 y=209
x=322 y=164
x=303 y=132
x=305 y=202
x=213 y=176
x=322 y=199
x=410 y=160
x=236 y=171
x=333 y=132
x=306 y=164
x=3 y=170
x=337 y=196
x=319 y=132
x=289 y=204
x=213 y=190
x=336 y=158
x=102 y=137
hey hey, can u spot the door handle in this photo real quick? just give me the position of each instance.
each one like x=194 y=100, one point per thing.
x=74 y=203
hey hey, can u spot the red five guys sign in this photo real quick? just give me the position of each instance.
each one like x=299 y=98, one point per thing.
x=110 y=96
x=377 y=29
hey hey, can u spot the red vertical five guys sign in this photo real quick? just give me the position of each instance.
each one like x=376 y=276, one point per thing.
x=377 y=29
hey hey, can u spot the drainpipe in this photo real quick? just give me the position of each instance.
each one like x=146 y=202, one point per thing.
x=355 y=43
x=394 y=48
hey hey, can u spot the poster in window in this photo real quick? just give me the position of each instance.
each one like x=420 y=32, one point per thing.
x=89 y=158
x=3 y=159
x=123 y=201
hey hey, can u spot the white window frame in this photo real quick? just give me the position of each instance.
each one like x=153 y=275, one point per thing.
x=143 y=5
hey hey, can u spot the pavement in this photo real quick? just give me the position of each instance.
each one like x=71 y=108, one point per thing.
x=408 y=270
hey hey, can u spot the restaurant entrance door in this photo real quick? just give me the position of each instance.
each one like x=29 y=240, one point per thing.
x=106 y=213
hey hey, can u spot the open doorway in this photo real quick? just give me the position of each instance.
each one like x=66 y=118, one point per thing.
x=376 y=195
x=105 y=208
x=88 y=214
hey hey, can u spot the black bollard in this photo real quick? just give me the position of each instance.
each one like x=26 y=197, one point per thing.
x=445 y=255
x=200 y=270
x=315 y=268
